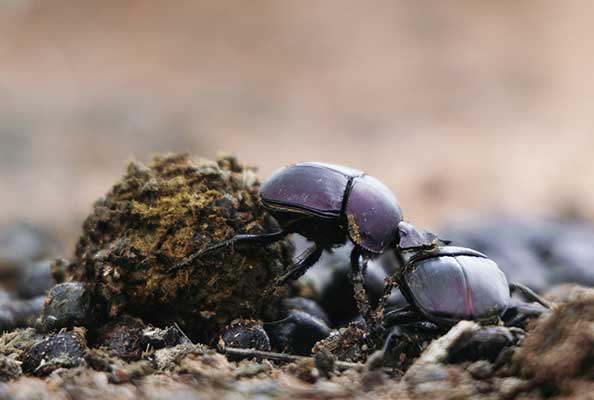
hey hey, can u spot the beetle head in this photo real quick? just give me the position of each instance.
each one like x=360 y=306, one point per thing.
x=413 y=238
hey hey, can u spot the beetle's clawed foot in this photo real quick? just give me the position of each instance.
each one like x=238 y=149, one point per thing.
x=520 y=312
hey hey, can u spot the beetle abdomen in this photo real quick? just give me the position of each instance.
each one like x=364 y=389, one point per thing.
x=459 y=286
x=310 y=187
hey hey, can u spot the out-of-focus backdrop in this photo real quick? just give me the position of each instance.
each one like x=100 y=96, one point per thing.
x=460 y=107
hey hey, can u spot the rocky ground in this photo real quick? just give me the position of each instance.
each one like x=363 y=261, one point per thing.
x=133 y=315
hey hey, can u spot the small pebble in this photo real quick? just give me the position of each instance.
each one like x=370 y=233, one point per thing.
x=20 y=244
x=484 y=343
x=245 y=335
x=63 y=350
x=20 y=313
x=36 y=281
x=122 y=338
x=67 y=305
x=481 y=369
x=297 y=333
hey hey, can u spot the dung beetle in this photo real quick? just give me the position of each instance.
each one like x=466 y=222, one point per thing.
x=327 y=204
x=446 y=284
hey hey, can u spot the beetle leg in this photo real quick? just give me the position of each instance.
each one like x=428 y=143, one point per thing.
x=529 y=294
x=312 y=255
x=358 y=281
x=401 y=316
x=389 y=284
x=520 y=312
x=262 y=239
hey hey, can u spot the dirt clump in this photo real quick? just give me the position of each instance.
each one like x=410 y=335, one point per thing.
x=346 y=344
x=558 y=355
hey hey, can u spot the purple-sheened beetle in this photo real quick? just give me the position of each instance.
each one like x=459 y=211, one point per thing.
x=328 y=204
x=446 y=284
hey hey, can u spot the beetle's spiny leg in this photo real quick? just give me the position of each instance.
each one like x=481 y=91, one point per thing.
x=307 y=259
x=374 y=326
x=358 y=281
x=401 y=316
x=389 y=284
x=262 y=239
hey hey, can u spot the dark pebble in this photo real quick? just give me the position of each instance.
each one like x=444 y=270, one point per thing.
x=483 y=344
x=245 y=335
x=20 y=313
x=122 y=338
x=297 y=333
x=20 y=244
x=63 y=350
x=67 y=305
x=36 y=281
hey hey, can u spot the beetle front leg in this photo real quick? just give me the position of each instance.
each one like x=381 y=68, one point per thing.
x=358 y=281
x=310 y=257
x=261 y=239
x=389 y=284
x=519 y=313
x=401 y=316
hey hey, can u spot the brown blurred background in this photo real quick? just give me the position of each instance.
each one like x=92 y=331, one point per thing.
x=460 y=107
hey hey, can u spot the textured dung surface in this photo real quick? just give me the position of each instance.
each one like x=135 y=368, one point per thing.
x=157 y=215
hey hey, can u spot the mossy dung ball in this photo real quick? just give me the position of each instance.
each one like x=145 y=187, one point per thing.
x=154 y=218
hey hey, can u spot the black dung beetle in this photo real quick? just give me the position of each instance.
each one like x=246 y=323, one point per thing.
x=446 y=284
x=328 y=204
